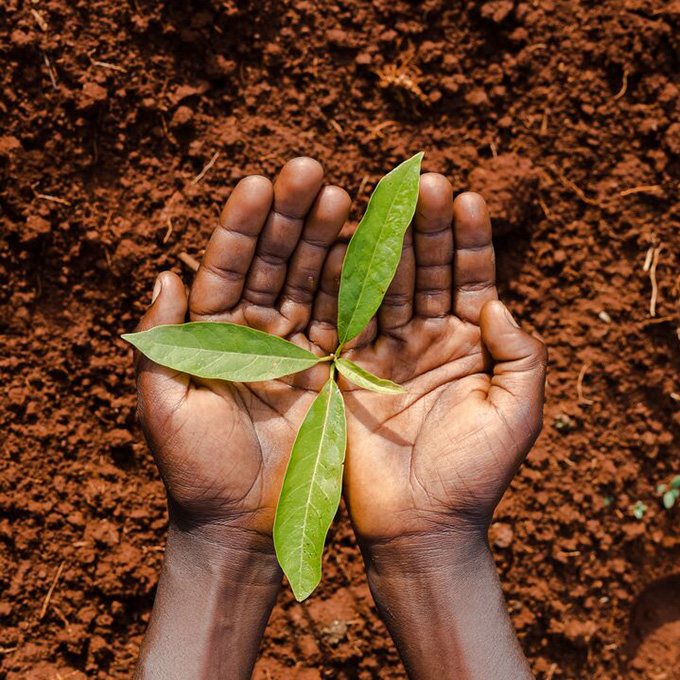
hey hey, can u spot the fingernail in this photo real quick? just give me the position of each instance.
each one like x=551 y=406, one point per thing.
x=510 y=317
x=158 y=286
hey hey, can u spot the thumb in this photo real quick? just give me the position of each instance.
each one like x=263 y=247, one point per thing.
x=518 y=382
x=158 y=386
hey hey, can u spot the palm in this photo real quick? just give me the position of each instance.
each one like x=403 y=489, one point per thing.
x=444 y=452
x=412 y=449
x=222 y=448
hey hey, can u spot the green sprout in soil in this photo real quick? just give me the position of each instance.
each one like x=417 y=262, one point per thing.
x=312 y=485
x=669 y=492
x=639 y=509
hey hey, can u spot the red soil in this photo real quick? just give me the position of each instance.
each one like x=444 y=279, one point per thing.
x=564 y=113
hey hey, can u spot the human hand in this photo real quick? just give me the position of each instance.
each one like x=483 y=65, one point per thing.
x=439 y=458
x=425 y=470
x=222 y=448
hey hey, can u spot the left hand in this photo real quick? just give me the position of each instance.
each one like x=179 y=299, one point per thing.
x=437 y=460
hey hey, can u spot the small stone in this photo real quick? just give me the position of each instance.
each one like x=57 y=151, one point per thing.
x=182 y=117
x=36 y=227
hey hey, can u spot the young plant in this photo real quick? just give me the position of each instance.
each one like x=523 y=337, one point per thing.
x=312 y=485
x=669 y=492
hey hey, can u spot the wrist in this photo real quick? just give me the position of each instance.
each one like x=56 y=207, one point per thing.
x=441 y=599
x=425 y=554
x=223 y=551
x=234 y=557
x=214 y=598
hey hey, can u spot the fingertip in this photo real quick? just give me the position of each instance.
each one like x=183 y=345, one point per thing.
x=471 y=217
x=169 y=304
x=253 y=195
x=435 y=189
x=336 y=198
x=301 y=175
x=333 y=267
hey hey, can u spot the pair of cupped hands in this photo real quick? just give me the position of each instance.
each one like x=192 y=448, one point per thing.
x=424 y=470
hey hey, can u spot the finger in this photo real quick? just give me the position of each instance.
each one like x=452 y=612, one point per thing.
x=323 y=224
x=518 y=382
x=294 y=192
x=323 y=325
x=433 y=244
x=474 y=265
x=158 y=385
x=219 y=281
x=396 y=309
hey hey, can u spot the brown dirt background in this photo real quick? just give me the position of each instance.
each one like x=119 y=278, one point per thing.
x=559 y=111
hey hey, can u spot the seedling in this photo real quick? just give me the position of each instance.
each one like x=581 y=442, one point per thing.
x=639 y=509
x=312 y=486
x=669 y=492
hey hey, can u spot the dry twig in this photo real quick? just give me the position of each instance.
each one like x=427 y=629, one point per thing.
x=574 y=187
x=205 y=170
x=105 y=64
x=652 y=278
x=362 y=185
x=624 y=85
x=50 y=71
x=189 y=260
x=48 y=597
x=168 y=232
x=53 y=199
x=579 y=385
x=40 y=20
x=643 y=189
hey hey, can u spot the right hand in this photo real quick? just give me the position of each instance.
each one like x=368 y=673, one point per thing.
x=222 y=448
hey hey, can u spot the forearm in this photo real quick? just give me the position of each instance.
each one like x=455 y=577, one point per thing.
x=211 y=608
x=445 y=610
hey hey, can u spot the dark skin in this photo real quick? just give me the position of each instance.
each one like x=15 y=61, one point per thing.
x=424 y=470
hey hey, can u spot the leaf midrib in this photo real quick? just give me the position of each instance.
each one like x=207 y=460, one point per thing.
x=222 y=352
x=313 y=479
x=370 y=264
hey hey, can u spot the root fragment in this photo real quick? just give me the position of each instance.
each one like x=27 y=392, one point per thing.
x=205 y=170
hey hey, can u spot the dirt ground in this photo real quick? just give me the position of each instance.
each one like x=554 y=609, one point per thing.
x=564 y=113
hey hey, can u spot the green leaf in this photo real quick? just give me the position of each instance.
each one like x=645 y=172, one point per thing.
x=374 y=251
x=675 y=482
x=225 y=351
x=661 y=489
x=639 y=509
x=311 y=491
x=669 y=498
x=363 y=378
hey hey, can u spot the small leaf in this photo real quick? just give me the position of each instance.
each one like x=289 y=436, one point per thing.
x=311 y=491
x=661 y=489
x=639 y=509
x=675 y=482
x=669 y=498
x=224 y=351
x=363 y=378
x=374 y=251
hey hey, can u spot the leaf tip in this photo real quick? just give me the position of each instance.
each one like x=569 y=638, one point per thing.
x=302 y=591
